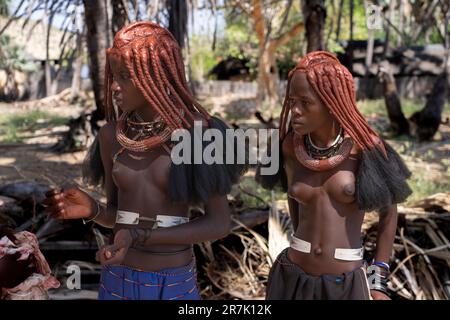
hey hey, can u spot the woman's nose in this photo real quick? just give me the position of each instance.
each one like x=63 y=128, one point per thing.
x=297 y=110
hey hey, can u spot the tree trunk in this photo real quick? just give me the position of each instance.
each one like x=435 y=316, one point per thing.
x=314 y=14
x=387 y=27
x=427 y=120
x=48 y=72
x=78 y=64
x=267 y=67
x=331 y=25
x=83 y=128
x=338 y=27
x=399 y=124
x=368 y=61
x=400 y=22
x=119 y=16
x=350 y=46
x=430 y=117
x=268 y=76
x=97 y=37
x=178 y=20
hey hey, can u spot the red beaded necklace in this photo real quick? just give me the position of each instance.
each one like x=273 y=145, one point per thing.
x=340 y=153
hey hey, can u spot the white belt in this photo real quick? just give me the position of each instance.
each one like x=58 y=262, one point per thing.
x=300 y=245
x=339 y=253
x=161 y=221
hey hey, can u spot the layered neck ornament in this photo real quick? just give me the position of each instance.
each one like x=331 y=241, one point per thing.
x=146 y=135
x=322 y=159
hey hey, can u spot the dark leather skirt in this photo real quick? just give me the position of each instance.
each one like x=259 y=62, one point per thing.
x=287 y=281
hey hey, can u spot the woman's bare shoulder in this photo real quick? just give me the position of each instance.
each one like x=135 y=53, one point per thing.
x=107 y=132
x=287 y=145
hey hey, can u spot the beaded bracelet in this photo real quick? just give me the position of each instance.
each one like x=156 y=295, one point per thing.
x=381 y=264
x=382 y=275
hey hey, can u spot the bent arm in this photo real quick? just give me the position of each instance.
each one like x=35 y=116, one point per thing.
x=107 y=215
x=387 y=227
x=215 y=224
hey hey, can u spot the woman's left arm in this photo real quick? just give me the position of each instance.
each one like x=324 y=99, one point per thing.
x=387 y=227
x=215 y=224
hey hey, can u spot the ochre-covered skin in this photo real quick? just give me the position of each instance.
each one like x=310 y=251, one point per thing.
x=144 y=74
x=151 y=61
x=333 y=84
x=320 y=98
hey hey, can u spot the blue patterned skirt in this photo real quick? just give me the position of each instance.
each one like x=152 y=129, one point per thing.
x=124 y=283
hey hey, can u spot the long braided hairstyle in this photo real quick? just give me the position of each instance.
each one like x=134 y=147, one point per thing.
x=153 y=59
x=334 y=84
x=154 y=62
x=381 y=174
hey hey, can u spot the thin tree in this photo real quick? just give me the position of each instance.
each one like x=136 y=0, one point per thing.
x=269 y=40
x=314 y=14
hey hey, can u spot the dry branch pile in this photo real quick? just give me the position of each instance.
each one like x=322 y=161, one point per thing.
x=421 y=265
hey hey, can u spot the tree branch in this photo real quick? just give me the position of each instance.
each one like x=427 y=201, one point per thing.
x=286 y=37
x=260 y=23
x=242 y=7
x=283 y=23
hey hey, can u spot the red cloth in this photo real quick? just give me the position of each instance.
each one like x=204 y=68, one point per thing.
x=35 y=286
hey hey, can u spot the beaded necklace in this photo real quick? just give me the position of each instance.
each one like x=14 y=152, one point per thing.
x=322 y=159
x=147 y=134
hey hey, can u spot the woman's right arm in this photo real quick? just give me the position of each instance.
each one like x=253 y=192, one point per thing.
x=107 y=213
x=74 y=203
x=287 y=148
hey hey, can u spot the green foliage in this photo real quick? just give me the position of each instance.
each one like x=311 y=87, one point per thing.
x=202 y=58
x=238 y=38
x=12 y=56
x=423 y=187
x=238 y=42
x=13 y=127
x=4 y=7
x=378 y=107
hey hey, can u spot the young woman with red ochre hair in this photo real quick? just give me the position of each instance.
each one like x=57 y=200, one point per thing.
x=148 y=195
x=335 y=168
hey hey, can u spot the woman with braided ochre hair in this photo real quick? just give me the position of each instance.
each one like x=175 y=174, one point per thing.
x=148 y=196
x=335 y=167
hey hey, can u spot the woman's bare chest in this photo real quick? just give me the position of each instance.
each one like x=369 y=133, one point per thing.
x=307 y=186
x=132 y=171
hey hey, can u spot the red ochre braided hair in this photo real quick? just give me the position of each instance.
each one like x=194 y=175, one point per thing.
x=334 y=84
x=155 y=65
x=154 y=62
x=381 y=177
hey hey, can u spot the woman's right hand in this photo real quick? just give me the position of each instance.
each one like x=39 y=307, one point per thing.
x=69 y=203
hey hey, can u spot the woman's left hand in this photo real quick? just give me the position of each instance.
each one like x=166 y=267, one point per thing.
x=115 y=253
x=377 y=295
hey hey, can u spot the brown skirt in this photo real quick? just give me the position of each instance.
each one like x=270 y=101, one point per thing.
x=287 y=281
